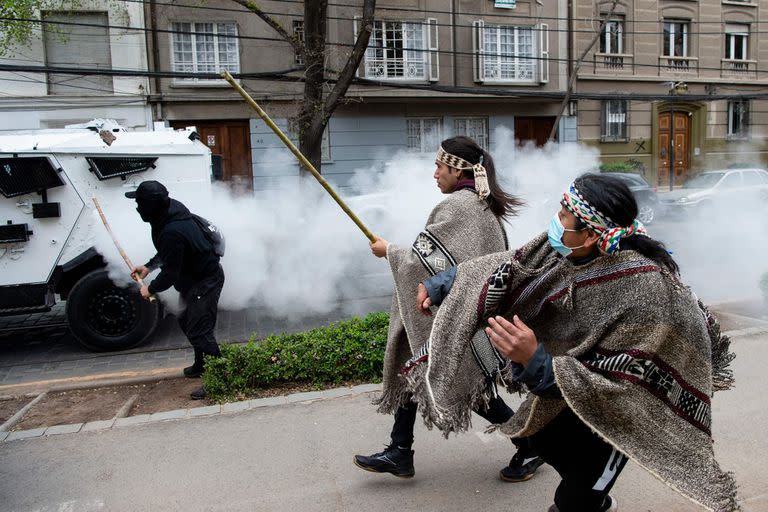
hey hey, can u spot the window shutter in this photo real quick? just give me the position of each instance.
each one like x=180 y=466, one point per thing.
x=477 y=49
x=355 y=27
x=544 y=53
x=434 y=56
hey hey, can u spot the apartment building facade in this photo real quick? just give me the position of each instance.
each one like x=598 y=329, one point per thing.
x=96 y=34
x=695 y=62
x=465 y=47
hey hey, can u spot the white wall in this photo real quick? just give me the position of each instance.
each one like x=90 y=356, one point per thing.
x=25 y=103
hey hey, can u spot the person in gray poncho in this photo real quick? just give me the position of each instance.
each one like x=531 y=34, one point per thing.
x=620 y=358
x=465 y=225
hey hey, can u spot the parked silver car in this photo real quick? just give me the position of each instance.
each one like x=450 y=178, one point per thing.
x=735 y=187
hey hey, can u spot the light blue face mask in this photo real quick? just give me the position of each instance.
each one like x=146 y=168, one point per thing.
x=555 y=235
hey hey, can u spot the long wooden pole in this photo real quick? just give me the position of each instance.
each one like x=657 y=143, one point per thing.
x=306 y=163
x=127 y=260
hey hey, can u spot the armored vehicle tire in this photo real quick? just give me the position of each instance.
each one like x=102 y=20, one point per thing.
x=104 y=316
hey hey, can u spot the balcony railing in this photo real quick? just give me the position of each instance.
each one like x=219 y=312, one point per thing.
x=733 y=68
x=610 y=63
x=395 y=69
x=678 y=65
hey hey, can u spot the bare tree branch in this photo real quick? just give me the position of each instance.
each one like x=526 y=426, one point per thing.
x=577 y=66
x=294 y=41
x=348 y=73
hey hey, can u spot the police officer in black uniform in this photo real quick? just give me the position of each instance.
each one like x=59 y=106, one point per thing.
x=188 y=262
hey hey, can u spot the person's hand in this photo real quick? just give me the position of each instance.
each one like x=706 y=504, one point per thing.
x=139 y=272
x=423 y=302
x=379 y=247
x=514 y=340
x=145 y=292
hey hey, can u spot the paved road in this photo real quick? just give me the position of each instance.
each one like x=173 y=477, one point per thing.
x=298 y=457
x=40 y=347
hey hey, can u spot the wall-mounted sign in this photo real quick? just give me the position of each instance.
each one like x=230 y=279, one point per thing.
x=505 y=4
x=211 y=140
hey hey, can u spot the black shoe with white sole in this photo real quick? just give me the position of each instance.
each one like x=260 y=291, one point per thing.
x=521 y=467
x=394 y=460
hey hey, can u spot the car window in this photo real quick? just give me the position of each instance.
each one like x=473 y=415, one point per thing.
x=704 y=180
x=752 y=178
x=731 y=180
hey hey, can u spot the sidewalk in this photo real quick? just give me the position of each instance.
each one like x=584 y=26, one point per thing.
x=297 y=457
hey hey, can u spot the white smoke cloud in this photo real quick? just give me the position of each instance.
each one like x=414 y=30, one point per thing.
x=295 y=252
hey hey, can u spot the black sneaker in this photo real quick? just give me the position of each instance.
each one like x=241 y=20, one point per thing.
x=193 y=371
x=521 y=468
x=198 y=394
x=393 y=460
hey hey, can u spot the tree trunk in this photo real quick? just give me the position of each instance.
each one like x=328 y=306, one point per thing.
x=311 y=119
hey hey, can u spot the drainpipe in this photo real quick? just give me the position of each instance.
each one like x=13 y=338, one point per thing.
x=453 y=41
x=570 y=39
x=155 y=59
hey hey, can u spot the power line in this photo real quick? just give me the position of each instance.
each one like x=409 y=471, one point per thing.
x=501 y=13
x=349 y=45
x=485 y=91
x=341 y=18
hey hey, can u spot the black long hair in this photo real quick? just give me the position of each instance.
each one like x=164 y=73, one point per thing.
x=611 y=197
x=501 y=203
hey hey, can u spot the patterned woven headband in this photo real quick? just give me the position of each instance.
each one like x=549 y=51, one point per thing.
x=610 y=233
x=481 y=176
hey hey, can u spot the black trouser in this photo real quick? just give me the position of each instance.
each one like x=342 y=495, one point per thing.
x=587 y=465
x=198 y=320
x=497 y=412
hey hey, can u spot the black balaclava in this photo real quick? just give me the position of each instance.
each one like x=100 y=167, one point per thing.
x=152 y=210
x=152 y=201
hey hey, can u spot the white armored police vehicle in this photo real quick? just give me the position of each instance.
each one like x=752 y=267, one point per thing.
x=48 y=229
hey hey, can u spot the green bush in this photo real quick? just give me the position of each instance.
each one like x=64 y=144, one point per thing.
x=617 y=167
x=352 y=350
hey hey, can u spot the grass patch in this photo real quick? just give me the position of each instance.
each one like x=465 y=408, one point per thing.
x=352 y=350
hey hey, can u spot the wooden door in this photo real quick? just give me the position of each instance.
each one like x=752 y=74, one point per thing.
x=676 y=150
x=231 y=140
x=536 y=129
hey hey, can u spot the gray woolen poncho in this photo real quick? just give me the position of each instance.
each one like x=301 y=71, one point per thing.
x=461 y=227
x=635 y=356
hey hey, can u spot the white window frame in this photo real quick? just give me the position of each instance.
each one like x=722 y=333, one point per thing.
x=606 y=39
x=483 y=139
x=607 y=122
x=416 y=52
x=539 y=58
x=733 y=33
x=743 y=131
x=193 y=33
x=669 y=51
x=427 y=142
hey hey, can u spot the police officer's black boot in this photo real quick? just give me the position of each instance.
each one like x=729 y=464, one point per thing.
x=196 y=369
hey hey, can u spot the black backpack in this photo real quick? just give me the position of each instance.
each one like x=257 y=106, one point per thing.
x=212 y=234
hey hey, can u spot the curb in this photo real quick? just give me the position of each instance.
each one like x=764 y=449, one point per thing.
x=92 y=381
x=197 y=412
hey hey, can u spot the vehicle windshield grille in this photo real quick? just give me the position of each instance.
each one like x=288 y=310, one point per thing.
x=105 y=168
x=19 y=176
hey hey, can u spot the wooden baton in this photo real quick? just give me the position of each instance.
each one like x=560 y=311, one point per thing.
x=127 y=260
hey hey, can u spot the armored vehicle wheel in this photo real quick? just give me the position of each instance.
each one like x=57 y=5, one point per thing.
x=103 y=316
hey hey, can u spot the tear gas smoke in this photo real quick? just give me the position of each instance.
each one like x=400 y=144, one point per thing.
x=295 y=252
